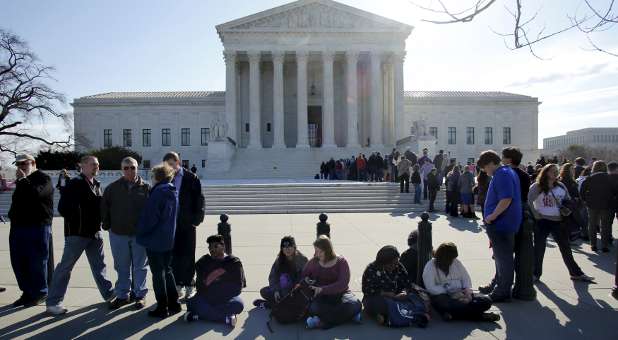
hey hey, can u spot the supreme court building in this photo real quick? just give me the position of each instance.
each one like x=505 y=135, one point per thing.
x=305 y=81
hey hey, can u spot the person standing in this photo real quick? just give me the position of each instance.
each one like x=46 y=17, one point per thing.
x=417 y=183
x=503 y=216
x=482 y=185
x=452 y=191
x=155 y=232
x=63 y=179
x=121 y=207
x=466 y=183
x=411 y=156
x=194 y=169
x=80 y=205
x=189 y=215
x=432 y=186
x=597 y=193
x=440 y=163
x=426 y=167
x=545 y=198
x=31 y=214
x=403 y=168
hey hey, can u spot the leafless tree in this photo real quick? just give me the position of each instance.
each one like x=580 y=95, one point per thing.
x=27 y=103
x=526 y=33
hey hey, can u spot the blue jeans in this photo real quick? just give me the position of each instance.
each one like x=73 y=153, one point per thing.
x=417 y=193
x=131 y=264
x=503 y=244
x=29 y=250
x=163 y=282
x=74 y=246
x=216 y=313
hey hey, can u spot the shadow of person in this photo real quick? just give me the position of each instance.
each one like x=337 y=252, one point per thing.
x=604 y=261
x=460 y=224
x=179 y=329
x=74 y=327
x=255 y=326
x=9 y=309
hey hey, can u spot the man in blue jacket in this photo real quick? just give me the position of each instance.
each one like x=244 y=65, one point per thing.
x=503 y=215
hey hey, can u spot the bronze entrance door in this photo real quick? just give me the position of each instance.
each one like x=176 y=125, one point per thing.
x=315 y=126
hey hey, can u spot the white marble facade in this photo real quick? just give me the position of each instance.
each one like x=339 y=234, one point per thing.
x=310 y=74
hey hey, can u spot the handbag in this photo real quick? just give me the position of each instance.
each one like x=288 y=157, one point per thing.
x=564 y=211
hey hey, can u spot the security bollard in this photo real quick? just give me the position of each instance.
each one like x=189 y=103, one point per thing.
x=322 y=227
x=425 y=246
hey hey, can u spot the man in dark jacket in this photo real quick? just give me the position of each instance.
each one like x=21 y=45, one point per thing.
x=190 y=215
x=80 y=205
x=31 y=214
x=597 y=193
x=220 y=279
x=122 y=204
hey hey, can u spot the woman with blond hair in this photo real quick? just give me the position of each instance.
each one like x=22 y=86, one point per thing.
x=546 y=199
x=155 y=232
x=334 y=303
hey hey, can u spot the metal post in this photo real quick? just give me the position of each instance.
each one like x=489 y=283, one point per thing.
x=524 y=260
x=425 y=246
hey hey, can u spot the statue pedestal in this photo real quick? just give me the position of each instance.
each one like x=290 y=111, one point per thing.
x=220 y=153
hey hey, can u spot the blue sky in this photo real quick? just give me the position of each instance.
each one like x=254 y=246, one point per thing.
x=158 y=45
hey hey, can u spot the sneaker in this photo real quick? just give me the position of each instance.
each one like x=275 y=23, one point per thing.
x=190 y=317
x=313 y=322
x=117 y=303
x=231 y=320
x=174 y=309
x=358 y=318
x=260 y=303
x=139 y=303
x=490 y=317
x=582 y=277
x=36 y=301
x=56 y=310
x=595 y=249
x=189 y=292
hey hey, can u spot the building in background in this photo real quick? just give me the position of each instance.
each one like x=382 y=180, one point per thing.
x=589 y=137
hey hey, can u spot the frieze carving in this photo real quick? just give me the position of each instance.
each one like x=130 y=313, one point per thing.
x=311 y=17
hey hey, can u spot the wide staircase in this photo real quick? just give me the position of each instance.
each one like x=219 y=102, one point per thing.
x=311 y=197
x=280 y=197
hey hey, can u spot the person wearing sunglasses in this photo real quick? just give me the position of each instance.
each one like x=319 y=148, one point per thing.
x=31 y=214
x=122 y=204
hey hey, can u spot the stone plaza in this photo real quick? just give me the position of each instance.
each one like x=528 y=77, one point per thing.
x=563 y=309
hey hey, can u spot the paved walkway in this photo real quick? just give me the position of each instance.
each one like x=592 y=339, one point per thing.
x=563 y=310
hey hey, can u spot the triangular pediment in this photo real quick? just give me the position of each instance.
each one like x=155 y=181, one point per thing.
x=314 y=16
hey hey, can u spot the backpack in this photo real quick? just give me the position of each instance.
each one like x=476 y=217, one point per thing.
x=294 y=306
x=409 y=312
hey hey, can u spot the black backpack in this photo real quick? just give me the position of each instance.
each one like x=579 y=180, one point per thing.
x=294 y=306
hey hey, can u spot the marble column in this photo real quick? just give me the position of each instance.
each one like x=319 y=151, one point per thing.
x=328 y=100
x=278 y=121
x=375 y=99
x=352 y=97
x=254 y=100
x=230 y=95
x=301 y=98
x=398 y=58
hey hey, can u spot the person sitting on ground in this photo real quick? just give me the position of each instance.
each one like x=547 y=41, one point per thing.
x=449 y=285
x=409 y=258
x=466 y=183
x=545 y=198
x=220 y=279
x=284 y=273
x=386 y=279
x=334 y=303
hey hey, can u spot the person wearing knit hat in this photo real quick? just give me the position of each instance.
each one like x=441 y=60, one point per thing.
x=284 y=273
x=385 y=281
x=409 y=258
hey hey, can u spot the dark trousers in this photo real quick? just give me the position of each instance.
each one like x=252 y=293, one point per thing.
x=600 y=219
x=561 y=235
x=503 y=245
x=425 y=189
x=335 y=310
x=404 y=181
x=472 y=310
x=432 y=198
x=183 y=260
x=163 y=281
x=29 y=251
x=452 y=199
x=214 y=312
x=375 y=305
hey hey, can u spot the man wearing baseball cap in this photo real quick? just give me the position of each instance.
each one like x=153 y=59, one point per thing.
x=31 y=214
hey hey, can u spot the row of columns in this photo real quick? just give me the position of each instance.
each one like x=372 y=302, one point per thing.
x=328 y=109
